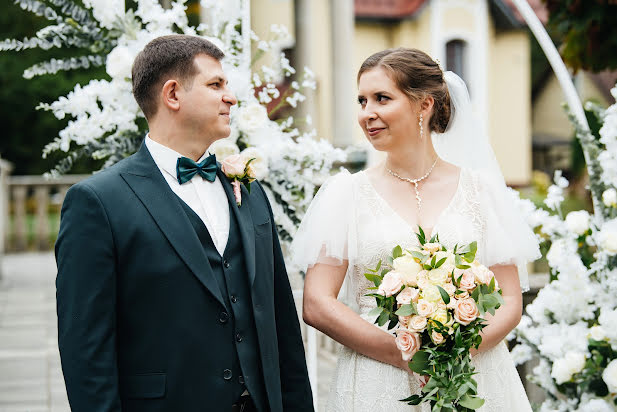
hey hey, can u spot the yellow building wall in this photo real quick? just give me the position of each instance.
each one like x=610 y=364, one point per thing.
x=510 y=104
x=549 y=117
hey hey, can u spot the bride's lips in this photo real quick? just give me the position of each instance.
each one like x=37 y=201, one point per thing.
x=374 y=131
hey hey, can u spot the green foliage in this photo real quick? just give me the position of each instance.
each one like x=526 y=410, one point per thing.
x=587 y=31
x=26 y=130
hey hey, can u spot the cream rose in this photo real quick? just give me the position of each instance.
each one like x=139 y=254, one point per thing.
x=441 y=316
x=258 y=168
x=466 y=311
x=407 y=296
x=597 y=333
x=481 y=273
x=438 y=276
x=431 y=247
x=578 y=221
x=450 y=289
x=450 y=259
x=408 y=343
x=417 y=323
x=437 y=338
x=423 y=281
x=407 y=266
x=233 y=166
x=425 y=308
x=468 y=280
x=391 y=284
x=609 y=376
x=404 y=320
x=431 y=293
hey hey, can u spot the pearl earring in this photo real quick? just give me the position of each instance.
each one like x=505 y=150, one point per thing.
x=421 y=127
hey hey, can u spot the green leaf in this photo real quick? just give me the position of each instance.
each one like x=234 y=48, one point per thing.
x=441 y=262
x=421 y=236
x=375 y=311
x=491 y=285
x=412 y=400
x=433 y=261
x=420 y=362
x=383 y=318
x=471 y=402
x=376 y=279
x=397 y=252
x=475 y=294
x=419 y=255
x=405 y=310
x=444 y=295
x=378 y=266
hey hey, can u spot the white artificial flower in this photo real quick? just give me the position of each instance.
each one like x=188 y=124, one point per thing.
x=597 y=333
x=119 y=62
x=607 y=237
x=595 y=405
x=578 y=221
x=252 y=117
x=222 y=148
x=609 y=376
x=609 y=197
x=107 y=12
x=564 y=368
x=521 y=353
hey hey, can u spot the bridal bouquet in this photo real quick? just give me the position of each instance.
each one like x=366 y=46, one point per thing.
x=435 y=298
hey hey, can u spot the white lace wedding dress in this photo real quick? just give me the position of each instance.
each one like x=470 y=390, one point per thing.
x=348 y=219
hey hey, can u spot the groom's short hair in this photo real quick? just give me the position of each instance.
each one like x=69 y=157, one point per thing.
x=163 y=58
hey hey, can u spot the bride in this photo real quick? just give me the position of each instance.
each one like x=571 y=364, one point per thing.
x=440 y=173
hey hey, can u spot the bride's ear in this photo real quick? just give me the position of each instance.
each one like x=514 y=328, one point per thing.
x=426 y=105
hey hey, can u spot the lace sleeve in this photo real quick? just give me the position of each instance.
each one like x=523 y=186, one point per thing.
x=327 y=230
x=508 y=239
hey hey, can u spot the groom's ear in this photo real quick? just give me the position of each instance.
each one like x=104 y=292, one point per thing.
x=169 y=95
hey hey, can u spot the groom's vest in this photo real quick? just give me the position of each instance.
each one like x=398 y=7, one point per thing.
x=245 y=371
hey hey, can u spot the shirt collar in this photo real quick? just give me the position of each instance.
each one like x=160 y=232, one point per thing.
x=164 y=157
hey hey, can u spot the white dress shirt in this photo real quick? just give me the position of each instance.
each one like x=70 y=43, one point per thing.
x=207 y=199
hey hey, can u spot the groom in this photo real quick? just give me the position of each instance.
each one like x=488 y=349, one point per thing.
x=170 y=297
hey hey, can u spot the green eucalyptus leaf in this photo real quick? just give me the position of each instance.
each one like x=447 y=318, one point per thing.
x=383 y=318
x=444 y=295
x=397 y=252
x=375 y=311
x=441 y=262
x=420 y=362
x=471 y=402
x=405 y=310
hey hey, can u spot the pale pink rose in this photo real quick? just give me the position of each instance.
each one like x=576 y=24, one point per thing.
x=404 y=320
x=452 y=304
x=407 y=296
x=233 y=165
x=408 y=343
x=417 y=323
x=425 y=308
x=468 y=281
x=437 y=338
x=391 y=284
x=423 y=281
x=482 y=273
x=450 y=289
x=463 y=295
x=466 y=311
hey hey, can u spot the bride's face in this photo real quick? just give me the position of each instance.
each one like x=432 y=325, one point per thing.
x=387 y=116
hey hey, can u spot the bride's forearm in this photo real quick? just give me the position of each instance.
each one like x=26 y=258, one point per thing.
x=501 y=324
x=345 y=326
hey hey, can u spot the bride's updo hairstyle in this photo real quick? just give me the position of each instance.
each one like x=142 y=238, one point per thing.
x=416 y=75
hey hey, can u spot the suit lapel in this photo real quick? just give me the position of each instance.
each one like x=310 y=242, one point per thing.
x=149 y=185
x=245 y=223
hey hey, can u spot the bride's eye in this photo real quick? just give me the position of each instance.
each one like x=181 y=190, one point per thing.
x=382 y=98
x=361 y=101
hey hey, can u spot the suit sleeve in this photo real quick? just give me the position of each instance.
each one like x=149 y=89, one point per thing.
x=86 y=303
x=295 y=384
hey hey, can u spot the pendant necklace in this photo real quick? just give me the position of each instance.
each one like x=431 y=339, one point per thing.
x=415 y=181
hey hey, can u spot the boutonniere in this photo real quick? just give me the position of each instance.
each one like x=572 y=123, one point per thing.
x=238 y=169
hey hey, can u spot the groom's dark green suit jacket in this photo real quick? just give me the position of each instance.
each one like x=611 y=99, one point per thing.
x=142 y=322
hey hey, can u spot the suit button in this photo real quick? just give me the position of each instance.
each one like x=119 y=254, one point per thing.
x=233 y=298
x=226 y=264
x=241 y=379
x=227 y=374
x=223 y=317
x=238 y=338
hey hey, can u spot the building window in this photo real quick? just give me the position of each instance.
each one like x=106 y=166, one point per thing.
x=456 y=58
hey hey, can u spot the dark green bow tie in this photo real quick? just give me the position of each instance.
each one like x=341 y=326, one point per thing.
x=187 y=168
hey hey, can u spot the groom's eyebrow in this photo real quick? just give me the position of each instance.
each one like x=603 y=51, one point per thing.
x=218 y=79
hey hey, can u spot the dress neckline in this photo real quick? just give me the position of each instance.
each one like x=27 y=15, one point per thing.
x=414 y=227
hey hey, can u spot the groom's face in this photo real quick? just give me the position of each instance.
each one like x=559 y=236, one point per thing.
x=205 y=103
